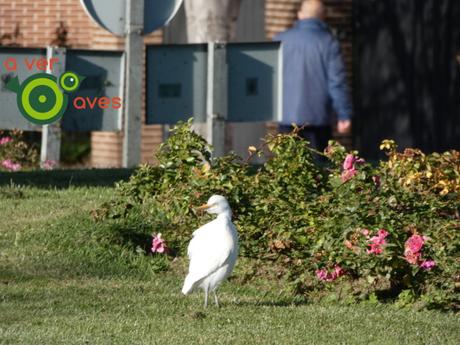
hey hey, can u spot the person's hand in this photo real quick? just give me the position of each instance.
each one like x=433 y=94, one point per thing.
x=344 y=126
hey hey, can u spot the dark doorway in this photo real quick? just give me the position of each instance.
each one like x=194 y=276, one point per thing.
x=407 y=74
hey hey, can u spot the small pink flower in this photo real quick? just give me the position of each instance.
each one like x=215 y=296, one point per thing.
x=5 y=140
x=415 y=243
x=10 y=165
x=349 y=162
x=349 y=169
x=338 y=271
x=411 y=257
x=326 y=276
x=375 y=249
x=377 y=242
x=49 y=165
x=365 y=232
x=413 y=252
x=382 y=233
x=159 y=244
x=321 y=274
x=348 y=174
x=428 y=265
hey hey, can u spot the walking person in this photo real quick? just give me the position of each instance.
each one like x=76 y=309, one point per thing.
x=314 y=78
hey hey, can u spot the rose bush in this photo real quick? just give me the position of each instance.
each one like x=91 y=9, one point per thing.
x=15 y=153
x=385 y=231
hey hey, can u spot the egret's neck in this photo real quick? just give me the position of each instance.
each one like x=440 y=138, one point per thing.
x=225 y=214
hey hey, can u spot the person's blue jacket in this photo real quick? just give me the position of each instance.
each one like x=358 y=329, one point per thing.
x=314 y=80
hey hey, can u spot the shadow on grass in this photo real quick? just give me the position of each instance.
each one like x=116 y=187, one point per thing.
x=273 y=302
x=133 y=239
x=66 y=178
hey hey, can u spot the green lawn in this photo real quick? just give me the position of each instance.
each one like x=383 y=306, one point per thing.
x=67 y=280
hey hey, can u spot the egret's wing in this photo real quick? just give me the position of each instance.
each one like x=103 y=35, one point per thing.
x=197 y=237
x=208 y=251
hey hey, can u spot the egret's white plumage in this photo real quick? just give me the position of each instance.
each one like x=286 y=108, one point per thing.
x=213 y=250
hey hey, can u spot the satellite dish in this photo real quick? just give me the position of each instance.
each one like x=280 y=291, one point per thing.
x=111 y=14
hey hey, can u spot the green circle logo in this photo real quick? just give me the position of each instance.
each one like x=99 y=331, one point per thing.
x=40 y=100
x=69 y=81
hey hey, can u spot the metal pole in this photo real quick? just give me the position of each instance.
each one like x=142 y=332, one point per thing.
x=51 y=134
x=134 y=48
x=210 y=93
x=217 y=97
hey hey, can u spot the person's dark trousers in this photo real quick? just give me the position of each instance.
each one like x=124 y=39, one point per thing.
x=318 y=136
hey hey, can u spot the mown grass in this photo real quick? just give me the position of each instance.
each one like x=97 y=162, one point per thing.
x=65 y=279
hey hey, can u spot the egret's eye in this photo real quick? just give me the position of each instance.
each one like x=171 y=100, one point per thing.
x=69 y=81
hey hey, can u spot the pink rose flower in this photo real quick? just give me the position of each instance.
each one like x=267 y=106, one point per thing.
x=413 y=252
x=326 y=276
x=349 y=162
x=348 y=174
x=411 y=257
x=377 y=242
x=159 y=244
x=415 y=243
x=5 y=140
x=349 y=169
x=338 y=271
x=428 y=265
x=322 y=274
x=375 y=249
x=10 y=165
x=382 y=233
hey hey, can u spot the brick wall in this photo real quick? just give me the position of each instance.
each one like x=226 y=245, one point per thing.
x=34 y=23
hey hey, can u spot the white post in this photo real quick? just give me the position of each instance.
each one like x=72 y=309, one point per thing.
x=134 y=48
x=51 y=134
x=211 y=20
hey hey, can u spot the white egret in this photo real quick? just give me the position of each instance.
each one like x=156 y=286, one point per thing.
x=213 y=250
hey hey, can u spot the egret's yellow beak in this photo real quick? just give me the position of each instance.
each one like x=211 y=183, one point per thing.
x=203 y=207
